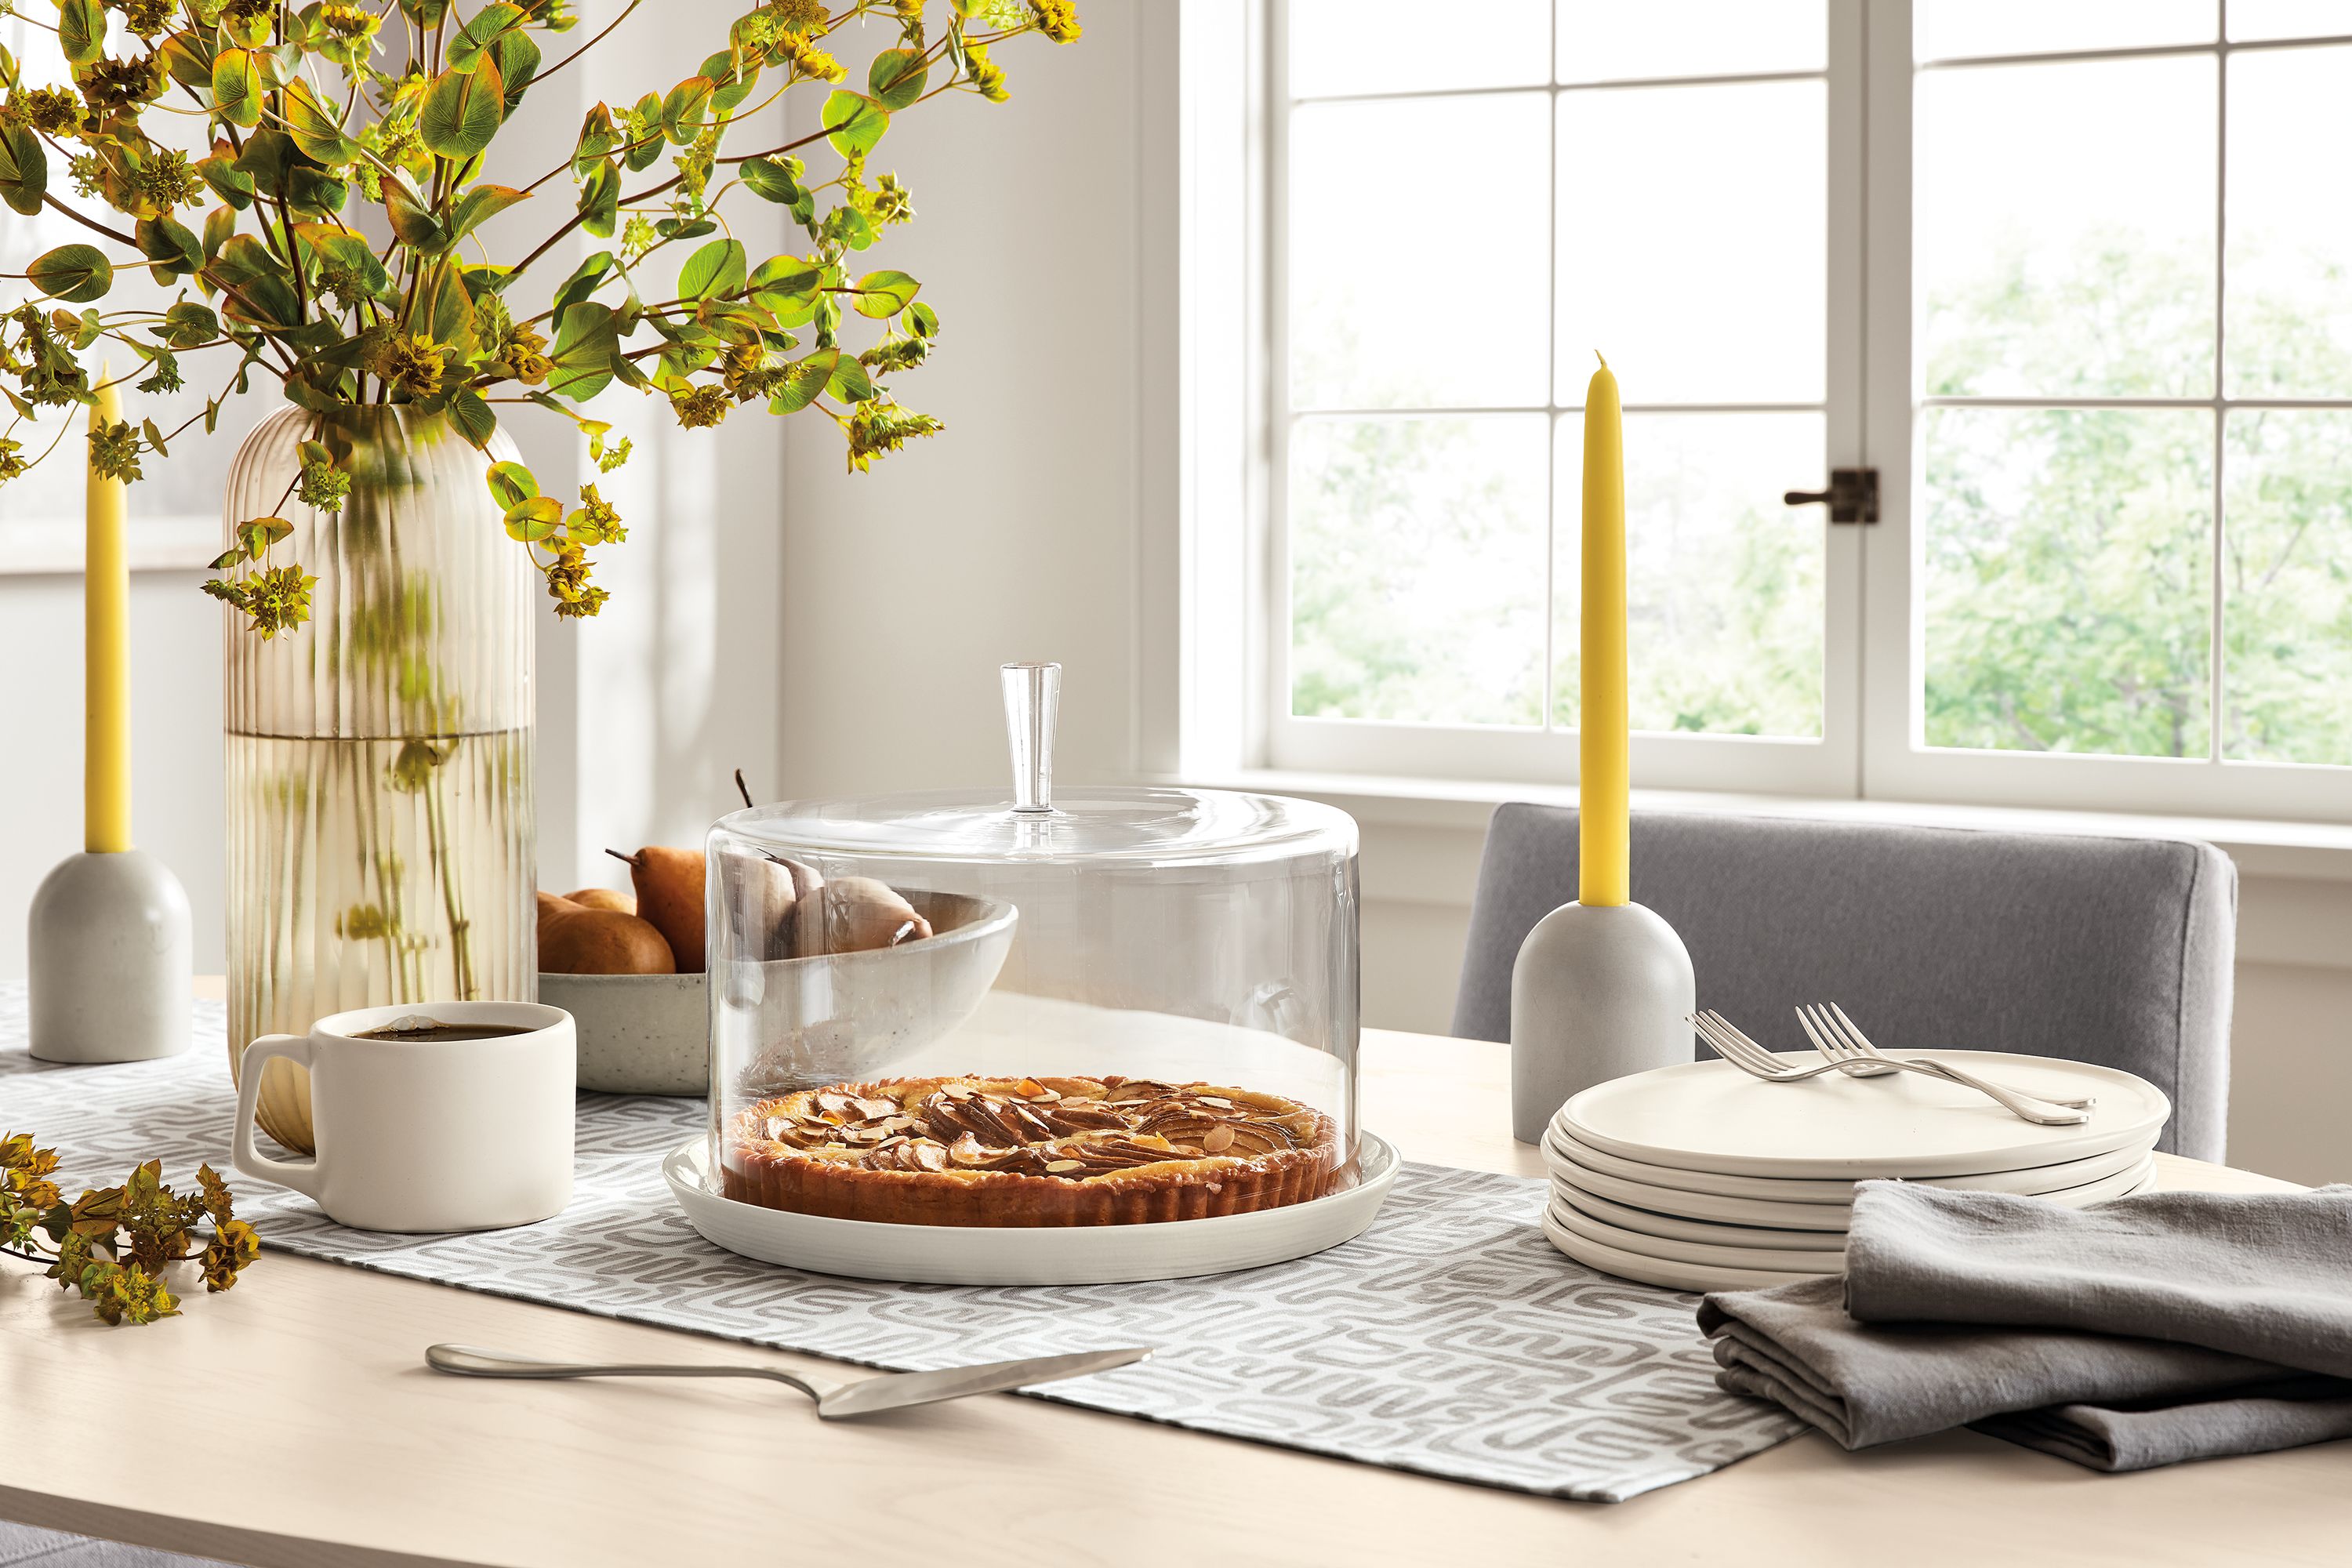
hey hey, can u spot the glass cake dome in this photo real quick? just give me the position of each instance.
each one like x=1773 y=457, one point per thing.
x=1179 y=937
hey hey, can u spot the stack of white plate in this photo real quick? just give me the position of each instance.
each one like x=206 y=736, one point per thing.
x=1699 y=1177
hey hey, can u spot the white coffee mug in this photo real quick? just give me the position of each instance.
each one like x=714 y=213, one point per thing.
x=427 y=1135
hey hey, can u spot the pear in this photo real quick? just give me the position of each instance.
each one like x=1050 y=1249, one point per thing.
x=768 y=893
x=854 y=914
x=604 y=898
x=670 y=895
x=577 y=941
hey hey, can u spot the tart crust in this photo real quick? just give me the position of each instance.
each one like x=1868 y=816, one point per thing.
x=974 y=1150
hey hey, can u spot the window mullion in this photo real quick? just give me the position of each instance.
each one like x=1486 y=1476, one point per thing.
x=1551 y=380
x=2217 y=661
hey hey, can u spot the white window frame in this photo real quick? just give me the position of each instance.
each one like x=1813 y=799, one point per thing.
x=1231 y=690
x=1826 y=764
x=1897 y=763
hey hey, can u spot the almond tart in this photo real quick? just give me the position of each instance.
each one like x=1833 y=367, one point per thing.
x=1028 y=1151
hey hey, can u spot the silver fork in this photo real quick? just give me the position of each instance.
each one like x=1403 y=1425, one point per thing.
x=1756 y=1061
x=834 y=1401
x=1852 y=1031
x=1845 y=1043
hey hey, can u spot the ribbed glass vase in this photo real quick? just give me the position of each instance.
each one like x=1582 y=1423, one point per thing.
x=381 y=843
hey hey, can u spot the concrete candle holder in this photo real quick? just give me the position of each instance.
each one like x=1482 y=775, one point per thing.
x=1599 y=990
x=110 y=959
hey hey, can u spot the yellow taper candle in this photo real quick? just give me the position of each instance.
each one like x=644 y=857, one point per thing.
x=1604 y=769
x=106 y=677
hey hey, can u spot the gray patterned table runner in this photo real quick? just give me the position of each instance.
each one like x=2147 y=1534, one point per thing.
x=1450 y=1339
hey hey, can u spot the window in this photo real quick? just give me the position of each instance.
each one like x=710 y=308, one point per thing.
x=2130 y=394
x=2076 y=280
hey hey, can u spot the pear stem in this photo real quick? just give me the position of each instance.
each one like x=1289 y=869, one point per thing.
x=628 y=860
x=742 y=789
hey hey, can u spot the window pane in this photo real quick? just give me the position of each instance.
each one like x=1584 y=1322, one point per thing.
x=1946 y=28
x=1417 y=569
x=2286 y=577
x=1400 y=46
x=2290 y=310
x=1723 y=584
x=1417 y=257
x=2290 y=20
x=1693 y=239
x=2064 y=229
x=1609 y=40
x=2068 y=579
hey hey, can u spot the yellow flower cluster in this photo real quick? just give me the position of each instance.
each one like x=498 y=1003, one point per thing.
x=697 y=407
x=985 y=75
x=1058 y=20
x=522 y=354
x=51 y=110
x=810 y=60
x=415 y=364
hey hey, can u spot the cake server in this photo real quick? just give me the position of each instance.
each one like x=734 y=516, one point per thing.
x=834 y=1401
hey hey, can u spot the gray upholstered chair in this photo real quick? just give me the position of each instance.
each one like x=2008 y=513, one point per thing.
x=2103 y=949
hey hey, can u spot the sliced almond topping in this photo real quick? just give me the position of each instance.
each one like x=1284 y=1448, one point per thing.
x=779 y=1125
x=930 y=1156
x=1029 y=1086
x=1217 y=1140
x=1064 y=1164
x=970 y=1151
x=918 y=1127
x=957 y=1090
x=874 y=1110
x=1212 y=1099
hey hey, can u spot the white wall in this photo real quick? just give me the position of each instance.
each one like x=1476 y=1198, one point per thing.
x=1013 y=535
x=175 y=745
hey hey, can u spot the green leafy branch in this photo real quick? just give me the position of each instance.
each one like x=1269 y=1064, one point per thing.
x=300 y=113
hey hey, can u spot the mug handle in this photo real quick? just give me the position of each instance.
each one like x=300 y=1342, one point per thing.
x=303 y=1176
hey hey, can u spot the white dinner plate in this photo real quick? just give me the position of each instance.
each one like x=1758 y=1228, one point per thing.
x=1768 y=1260
x=1712 y=1232
x=1646 y=1271
x=1030 y=1255
x=1710 y=1116
x=2029 y=1179
x=1789 y=1217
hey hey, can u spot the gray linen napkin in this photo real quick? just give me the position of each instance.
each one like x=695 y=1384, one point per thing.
x=2146 y=1331
x=2140 y=1437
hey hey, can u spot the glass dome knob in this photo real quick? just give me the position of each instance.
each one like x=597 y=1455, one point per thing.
x=1033 y=701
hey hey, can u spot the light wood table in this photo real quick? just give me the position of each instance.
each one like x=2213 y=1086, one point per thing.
x=291 y=1422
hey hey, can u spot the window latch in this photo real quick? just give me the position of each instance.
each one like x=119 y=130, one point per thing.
x=1853 y=496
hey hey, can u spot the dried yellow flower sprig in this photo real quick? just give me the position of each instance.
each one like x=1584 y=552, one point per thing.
x=111 y=1244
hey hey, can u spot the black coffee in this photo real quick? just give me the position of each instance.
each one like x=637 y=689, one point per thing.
x=436 y=1034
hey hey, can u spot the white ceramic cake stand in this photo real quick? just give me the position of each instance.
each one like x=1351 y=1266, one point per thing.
x=1030 y=1255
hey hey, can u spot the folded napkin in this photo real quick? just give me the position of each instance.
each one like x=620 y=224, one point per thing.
x=2143 y=1331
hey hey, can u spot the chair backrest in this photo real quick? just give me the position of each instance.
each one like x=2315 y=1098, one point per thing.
x=2115 y=950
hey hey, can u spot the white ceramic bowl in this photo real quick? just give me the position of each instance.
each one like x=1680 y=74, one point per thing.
x=639 y=1034
x=844 y=1017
